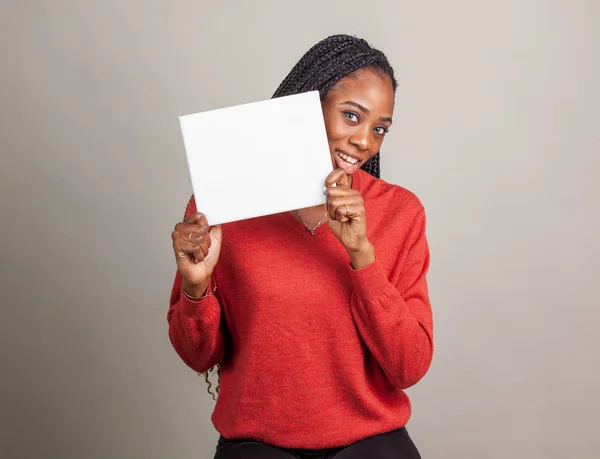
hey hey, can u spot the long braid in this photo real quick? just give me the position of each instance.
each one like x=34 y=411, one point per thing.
x=319 y=69
x=372 y=166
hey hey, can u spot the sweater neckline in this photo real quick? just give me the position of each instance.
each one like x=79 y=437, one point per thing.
x=324 y=228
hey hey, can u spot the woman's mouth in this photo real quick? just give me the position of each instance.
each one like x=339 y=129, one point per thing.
x=346 y=162
x=349 y=159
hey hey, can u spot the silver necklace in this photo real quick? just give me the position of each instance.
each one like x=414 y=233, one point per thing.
x=308 y=228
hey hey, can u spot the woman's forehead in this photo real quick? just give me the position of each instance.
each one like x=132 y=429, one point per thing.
x=370 y=87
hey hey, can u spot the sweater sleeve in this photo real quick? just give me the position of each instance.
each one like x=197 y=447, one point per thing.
x=196 y=327
x=395 y=319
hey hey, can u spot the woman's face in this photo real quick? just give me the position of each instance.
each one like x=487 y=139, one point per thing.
x=358 y=113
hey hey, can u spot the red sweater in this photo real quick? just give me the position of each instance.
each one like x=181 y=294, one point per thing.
x=313 y=353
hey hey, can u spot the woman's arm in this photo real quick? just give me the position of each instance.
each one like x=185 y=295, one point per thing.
x=196 y=327
x=395 y=320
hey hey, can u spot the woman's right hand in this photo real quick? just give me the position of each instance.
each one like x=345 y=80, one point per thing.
x=197 y=252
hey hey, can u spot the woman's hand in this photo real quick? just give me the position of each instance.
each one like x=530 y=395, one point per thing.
x=197 y=252
x=347 y=220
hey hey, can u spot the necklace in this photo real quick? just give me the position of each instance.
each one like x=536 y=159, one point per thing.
x=308 y=228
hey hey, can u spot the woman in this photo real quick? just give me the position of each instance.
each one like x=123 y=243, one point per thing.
x=322 y=316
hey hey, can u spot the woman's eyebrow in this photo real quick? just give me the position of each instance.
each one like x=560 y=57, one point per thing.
x=360 y=107
x=366 y=110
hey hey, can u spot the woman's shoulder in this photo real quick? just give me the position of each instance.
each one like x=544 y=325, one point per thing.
x=387 y=195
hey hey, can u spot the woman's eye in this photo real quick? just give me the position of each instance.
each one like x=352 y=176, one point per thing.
x=381 y=130
x=351 y=116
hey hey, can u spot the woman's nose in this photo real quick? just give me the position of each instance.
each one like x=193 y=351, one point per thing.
x=361 y=139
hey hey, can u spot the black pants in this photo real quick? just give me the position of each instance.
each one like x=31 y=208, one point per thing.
x=392 y=445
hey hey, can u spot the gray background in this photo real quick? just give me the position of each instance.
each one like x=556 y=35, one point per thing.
x=496 y=129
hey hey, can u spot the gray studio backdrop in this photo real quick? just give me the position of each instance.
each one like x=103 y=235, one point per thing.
x=496 y=129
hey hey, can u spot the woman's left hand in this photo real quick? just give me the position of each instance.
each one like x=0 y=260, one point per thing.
x=347 y=220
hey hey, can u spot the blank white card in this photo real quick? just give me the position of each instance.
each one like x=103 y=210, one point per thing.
x=257 y=159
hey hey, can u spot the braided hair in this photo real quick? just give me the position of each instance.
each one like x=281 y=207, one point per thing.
x=321 y=67
x=326 y=63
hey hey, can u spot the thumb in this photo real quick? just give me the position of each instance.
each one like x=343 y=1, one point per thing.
x=216 y=234
x=212 y=258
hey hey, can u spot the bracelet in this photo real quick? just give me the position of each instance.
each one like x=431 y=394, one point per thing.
x=206 y=295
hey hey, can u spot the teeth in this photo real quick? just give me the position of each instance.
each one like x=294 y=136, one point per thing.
x=348 y=159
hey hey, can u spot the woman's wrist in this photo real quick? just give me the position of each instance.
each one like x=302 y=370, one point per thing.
x=195 y=291
x=362 y=257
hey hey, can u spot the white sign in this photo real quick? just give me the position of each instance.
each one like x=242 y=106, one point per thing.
x=259 y=158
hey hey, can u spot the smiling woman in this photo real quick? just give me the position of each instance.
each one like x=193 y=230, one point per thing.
x=358 y=115
x=315 y=330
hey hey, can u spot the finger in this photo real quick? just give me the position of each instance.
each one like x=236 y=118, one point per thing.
x=339 y=178
x=344 y=213
x=191 y=233
x=345 y=208
x=186 y=250
x=215 y=234
x=333 y=210
x=197 y=219
x=195 y=224
x=200 y=255
x=203 y=243
x=338 y=192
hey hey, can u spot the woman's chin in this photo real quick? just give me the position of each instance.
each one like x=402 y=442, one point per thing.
x=348 y=168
